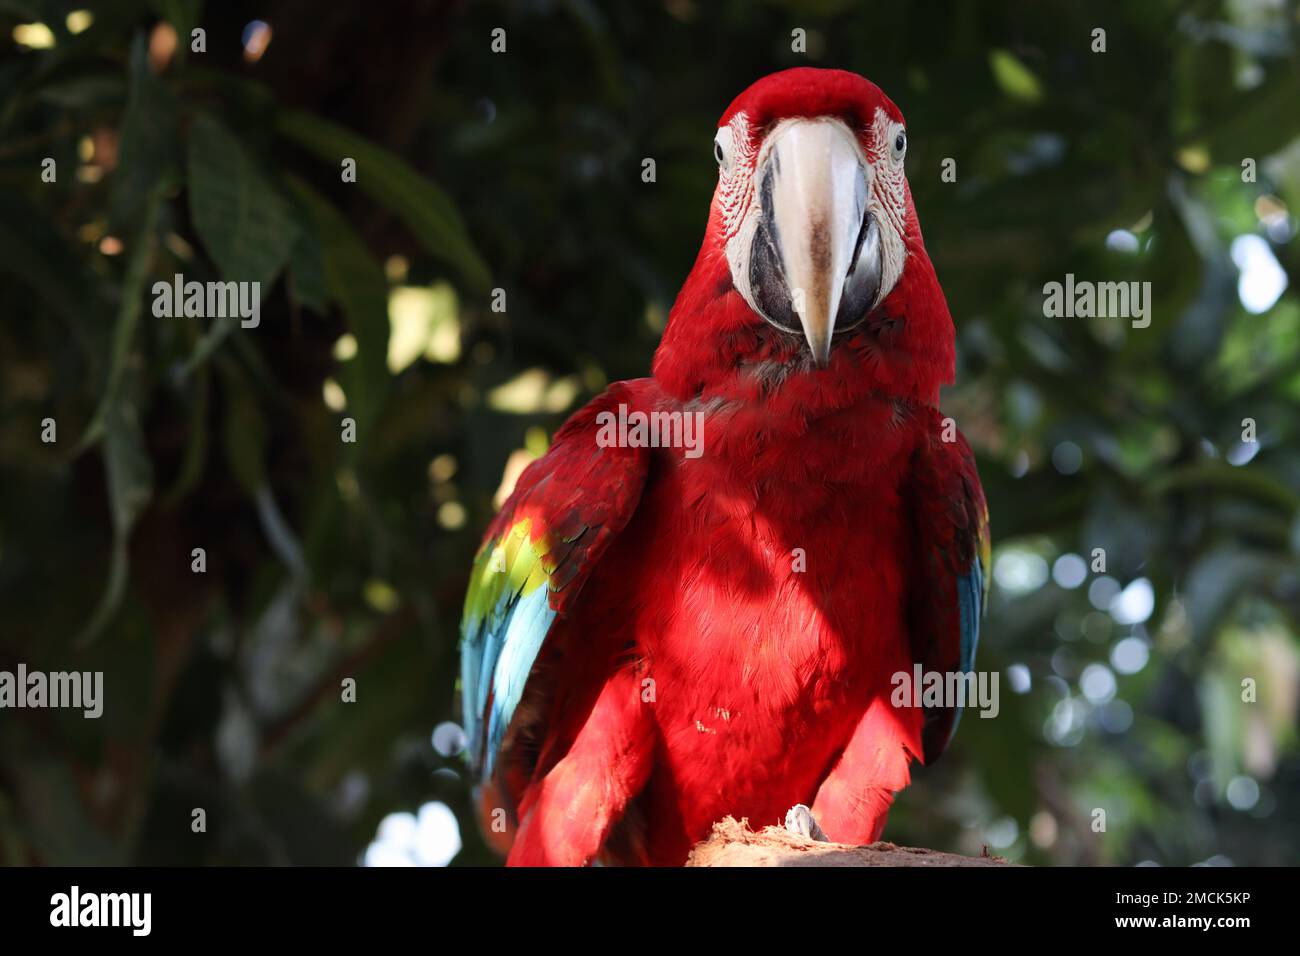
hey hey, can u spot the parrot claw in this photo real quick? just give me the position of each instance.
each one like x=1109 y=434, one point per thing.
x=800 y=821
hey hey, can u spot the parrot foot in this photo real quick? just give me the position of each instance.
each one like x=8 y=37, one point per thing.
x=800 y=821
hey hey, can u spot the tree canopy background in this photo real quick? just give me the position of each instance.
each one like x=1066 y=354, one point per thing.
x=1173 y=157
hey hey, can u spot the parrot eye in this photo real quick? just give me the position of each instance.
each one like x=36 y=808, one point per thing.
x=900 y=144
x=723 y=148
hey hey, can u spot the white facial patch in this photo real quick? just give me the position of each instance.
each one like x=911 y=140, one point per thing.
x=888 y=202
x=735 y=172
x=735 y=198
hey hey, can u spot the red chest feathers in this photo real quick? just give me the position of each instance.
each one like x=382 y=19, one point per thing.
x=766 y=611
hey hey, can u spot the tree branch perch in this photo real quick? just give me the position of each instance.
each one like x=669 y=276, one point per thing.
x=733 y=843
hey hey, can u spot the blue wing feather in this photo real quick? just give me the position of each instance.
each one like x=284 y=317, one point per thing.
x=525 y=629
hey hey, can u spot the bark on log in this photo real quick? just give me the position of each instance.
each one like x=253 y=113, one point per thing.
x=733 y=843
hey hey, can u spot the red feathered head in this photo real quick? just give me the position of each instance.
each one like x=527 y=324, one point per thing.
x=813 y=278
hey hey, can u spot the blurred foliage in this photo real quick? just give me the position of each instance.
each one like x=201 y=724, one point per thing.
x=521 y=170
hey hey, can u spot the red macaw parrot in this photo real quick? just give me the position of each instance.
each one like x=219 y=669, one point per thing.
x=694 y=603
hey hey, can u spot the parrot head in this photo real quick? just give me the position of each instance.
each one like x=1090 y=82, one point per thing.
x=813 y=266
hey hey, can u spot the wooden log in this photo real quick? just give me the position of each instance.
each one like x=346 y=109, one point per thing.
x=733 y=843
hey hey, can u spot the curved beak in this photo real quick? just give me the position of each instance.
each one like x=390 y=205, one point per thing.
x=814 y=185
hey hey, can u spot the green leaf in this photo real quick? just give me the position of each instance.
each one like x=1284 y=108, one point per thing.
x=358 y=284
x=116 y=421
x=128 y=317
x=130 y=488
x=307 y=282
x=130 y=474
x=431 y=216
x=150 y=129
x=246 y=226
x=1014 y=77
